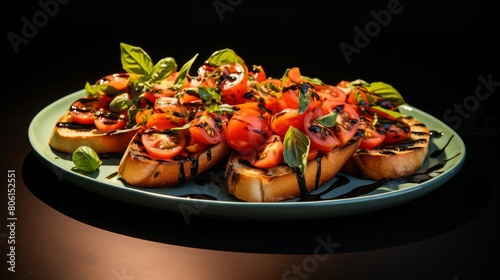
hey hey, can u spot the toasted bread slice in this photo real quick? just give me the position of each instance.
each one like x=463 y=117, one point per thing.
x=67 y=136
x=137 y=168
x=392 y=161
x=279 y=183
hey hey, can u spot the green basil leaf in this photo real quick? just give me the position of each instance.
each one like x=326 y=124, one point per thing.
x=162 y=69
x=305 y=92
x=120 y=103
x=225 y=56
x=211 y=98
x=135 y=60
x=392 y=113
x=296 y=148
x=329 y=120
x=285 y=77
x=358 y=83
x=314 y=81
x=105 y=89
x=132 y=112
x=387 y=92
x=90 y=91
x=181 y=78
x=86 y=159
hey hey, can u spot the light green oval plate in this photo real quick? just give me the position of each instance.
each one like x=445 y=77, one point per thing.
x=182 y=199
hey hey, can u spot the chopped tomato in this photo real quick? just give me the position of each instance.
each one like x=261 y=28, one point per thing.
x=162 y=121
x=107 y=121
x=373 y=136
x=189 y=95
x=162 y=89
x=395 y=131
x=163 y=146
x=294 y=75
x=205 y=129
x=255 y=105
x=83 y=110
x=246 y=130
x=233 y=83
x=272 y=84
x=274 y=104
x=156 y=93
x=142 y=116
x=270 y=153
x=169 y=105
x=257 y=73
x=322 y=138
x=313 y=153
x=291 y=96
x=194 y=147
x=269 y=94
x=117 y=80
x=358 y=97
x=142 y=102
x=167 y=113
x=330 y=95
x=281 y=121
x=347 y=123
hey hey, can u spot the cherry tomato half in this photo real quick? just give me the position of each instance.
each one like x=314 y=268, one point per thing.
x=163 y=146
x=291 y=96
x=257 y=73
x=246 y=130
x=322 y=138
x=107 y=121
x=162 y=89
x=330 y=95
x=347 y=123
x=142 y=116
x=193 y=147
x=83 y=110
x=395 y=131
x=170 y=105
x=162 y=121
x=116 y=80
x=373 y=136
x=281 y=121
x=233 y=83
x=206 y=129
x=269 y=154
x=294 y=75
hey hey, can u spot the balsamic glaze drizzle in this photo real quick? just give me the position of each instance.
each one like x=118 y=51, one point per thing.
x=420 y=177
x=365 y=189
x=438 y=152
x=414 y=178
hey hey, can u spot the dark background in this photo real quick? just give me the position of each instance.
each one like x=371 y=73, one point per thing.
x=433 y=52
